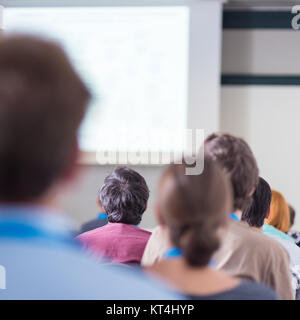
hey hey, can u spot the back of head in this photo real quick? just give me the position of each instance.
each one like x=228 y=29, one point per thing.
x=194 y=207
x=258 y=210
x=42 y=102
x=292 y=215
x=124 y=196
x=236 y=157
x=279 y=216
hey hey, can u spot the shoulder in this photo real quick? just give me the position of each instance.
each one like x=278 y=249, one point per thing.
x=91 y=233
x=249 y=290
x=158 y=240
x=158 y=233
x=144 y=232
x=115 y=283
x=156 y=246
x=129 y=228
x=243 y=241
x=246 y=290
x=270 y=230
x=136 y=233
x=253 y=237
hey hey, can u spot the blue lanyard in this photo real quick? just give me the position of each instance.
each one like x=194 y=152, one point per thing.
x=102 y=216
x=234 y=216
x=21 y=230
x=173 y=253
x=177 y=253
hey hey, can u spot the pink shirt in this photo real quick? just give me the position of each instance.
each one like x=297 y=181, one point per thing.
x=121 y=243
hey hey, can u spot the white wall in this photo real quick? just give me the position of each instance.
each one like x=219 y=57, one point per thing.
x=261 y=52
x=268 y=119
x=266 y=116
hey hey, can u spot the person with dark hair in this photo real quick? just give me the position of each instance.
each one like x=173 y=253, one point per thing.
x=42 y=103
x=193 y=209
x=124 y=196
x=259 y=209
x=292 y=215
x=292 y=233
x=241 y=253
x=255 y=216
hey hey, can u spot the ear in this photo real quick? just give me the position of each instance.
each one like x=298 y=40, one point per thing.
x=268 y=213
x=251 y=192
x=99 y=204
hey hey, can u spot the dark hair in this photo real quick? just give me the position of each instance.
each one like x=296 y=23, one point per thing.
x=42 y=102
x=256 y=213
x=194 y=207
x=292 y=215
x=236 y=157
x=124 y=196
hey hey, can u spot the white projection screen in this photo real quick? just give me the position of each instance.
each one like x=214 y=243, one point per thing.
x=150 y=68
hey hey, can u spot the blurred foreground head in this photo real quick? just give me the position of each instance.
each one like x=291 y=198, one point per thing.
x=42 y=102
x=193 y=208
x=235 y=156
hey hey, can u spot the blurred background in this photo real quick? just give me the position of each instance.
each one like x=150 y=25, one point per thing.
x=243 y=77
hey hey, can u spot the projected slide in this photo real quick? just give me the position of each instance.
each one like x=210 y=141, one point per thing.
x=134 y=60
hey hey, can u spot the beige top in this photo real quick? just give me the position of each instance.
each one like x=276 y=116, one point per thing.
x=245 y=253
x=156 y=246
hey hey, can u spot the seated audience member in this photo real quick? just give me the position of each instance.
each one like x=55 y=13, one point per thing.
x=99 y=221
x=192 y=209
x=255 y=216
x=124 y=196
x=292 y=233
x=241 y=252
x=42 y=103
x=278 y=220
